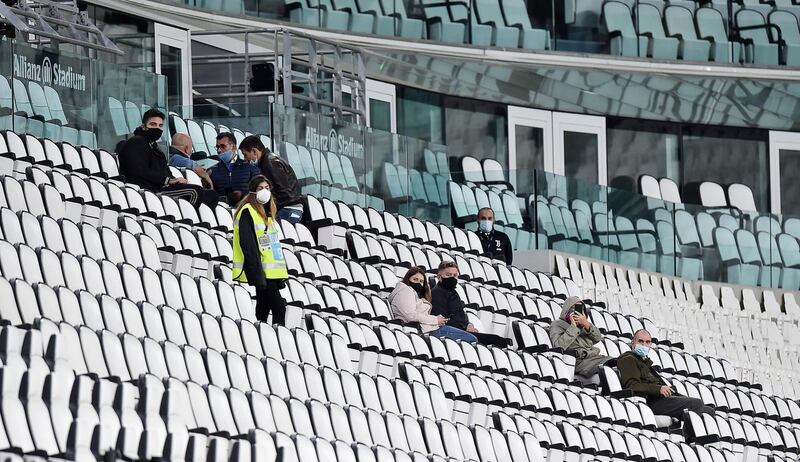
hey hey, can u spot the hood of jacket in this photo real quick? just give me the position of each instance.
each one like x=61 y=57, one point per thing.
x=568 y=304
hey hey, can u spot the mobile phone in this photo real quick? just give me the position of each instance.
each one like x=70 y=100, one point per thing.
x=578 y=309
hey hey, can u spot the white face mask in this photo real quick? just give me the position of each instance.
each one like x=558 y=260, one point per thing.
x=263 y=196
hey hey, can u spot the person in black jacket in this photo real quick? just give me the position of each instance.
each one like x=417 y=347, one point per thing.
x=143 y=164
x=280 y=174
x=496 y=244
x=446 y=302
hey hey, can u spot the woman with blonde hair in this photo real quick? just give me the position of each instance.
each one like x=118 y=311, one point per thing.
x=411 y=302
x=257 y=253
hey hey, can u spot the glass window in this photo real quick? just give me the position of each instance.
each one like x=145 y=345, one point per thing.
x=380 y=115
x=790 y=187
x=638 y=148
x=529 y=143
x=476 y=128
x=419 y=114
x=580 y=156
x=725 y=156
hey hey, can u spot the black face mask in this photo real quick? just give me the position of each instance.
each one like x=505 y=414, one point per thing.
x=449 y=283
x=417 y=286
x=153 y=134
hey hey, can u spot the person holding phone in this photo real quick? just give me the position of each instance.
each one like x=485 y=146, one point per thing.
x=573 y=332
x=411 y=302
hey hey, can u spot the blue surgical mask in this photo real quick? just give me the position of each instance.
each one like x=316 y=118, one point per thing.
x=641 y=351
x=226 y=156
x=485 y=225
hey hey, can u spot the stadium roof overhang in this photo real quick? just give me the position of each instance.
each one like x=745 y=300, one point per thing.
x=700 y=93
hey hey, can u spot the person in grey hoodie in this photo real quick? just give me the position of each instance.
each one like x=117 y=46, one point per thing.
x=573 y=331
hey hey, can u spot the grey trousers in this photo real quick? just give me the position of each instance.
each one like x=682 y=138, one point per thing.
x=673 y=406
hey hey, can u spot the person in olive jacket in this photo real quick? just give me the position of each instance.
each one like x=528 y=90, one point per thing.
x=446 y=302
x=637 y=374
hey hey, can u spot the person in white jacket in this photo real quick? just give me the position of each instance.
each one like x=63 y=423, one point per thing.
x=411 y=302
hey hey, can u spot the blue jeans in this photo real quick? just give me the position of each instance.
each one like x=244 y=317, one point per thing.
x=291 y=215
x=454 y=333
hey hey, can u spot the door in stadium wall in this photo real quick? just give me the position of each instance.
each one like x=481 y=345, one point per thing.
x=173 y=60
x=381 y=100
x=784 y=163
x=530 y=146
x=579 y=147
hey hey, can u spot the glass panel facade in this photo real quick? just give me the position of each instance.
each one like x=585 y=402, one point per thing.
x=637 y=148
x=73 y=99
x=725 y=156
x=675 y=31
x=580 y=155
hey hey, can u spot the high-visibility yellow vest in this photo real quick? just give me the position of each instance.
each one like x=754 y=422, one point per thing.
x=269 y=242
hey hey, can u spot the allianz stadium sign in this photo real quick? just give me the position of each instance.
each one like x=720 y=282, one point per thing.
x=335 y=142
x=47 y=70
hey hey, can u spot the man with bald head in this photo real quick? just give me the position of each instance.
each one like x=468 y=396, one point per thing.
x=637 y=374
x=179 y=156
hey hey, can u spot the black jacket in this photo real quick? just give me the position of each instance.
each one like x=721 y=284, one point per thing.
x=637 y=374
x=251 y=252
x=143 y=163
x=449 y=304
x=496 y=244
x=285 y=188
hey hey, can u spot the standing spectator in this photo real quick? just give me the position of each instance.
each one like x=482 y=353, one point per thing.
x=637 y=374
x=232 y=174
x=179 y=157
x=446 y=302
x=285 y=187
x=573 y=331
x=496 y=244
x=145 y=165
x=411 y=302
x=257 y=253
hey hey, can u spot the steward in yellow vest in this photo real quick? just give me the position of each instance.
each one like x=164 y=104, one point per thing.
x=257 y=253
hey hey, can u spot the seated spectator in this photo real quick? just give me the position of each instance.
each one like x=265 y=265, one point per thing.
x=180 y=152
x=637 y=374
x=496 y=244
x=285 y=188
x=410 y=302
x=232 y=174
x=572 y=331
x=448 y=303
x=145 y=165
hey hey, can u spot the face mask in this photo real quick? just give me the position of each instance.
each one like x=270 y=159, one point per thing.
x=153 y=134
x=641 y=351
x=263 y=196
x=417 y=286
x=485 y=225
x=226 y=156
x=449 y=283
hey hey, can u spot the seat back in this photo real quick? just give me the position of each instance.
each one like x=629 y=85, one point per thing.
x=710 y=23
x=748 y=18
x=679 y=20
x=712 y=195
x=649 y=20
x=787 y=23
x=741 y=197
x=618 y=18
x=472 y=170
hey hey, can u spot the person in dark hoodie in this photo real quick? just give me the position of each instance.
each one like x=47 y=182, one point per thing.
x=573 y=331
x=143 y=164
x=446 y=302
x=286 y=188
x=637 y=374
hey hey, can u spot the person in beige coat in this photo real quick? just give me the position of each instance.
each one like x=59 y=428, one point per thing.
x=411 y=302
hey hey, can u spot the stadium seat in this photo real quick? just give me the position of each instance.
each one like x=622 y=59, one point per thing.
x=650 y=24
x=758 y=43
x=790 y=34
x=711 y=26
x=622 y=34
x=680 y=24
